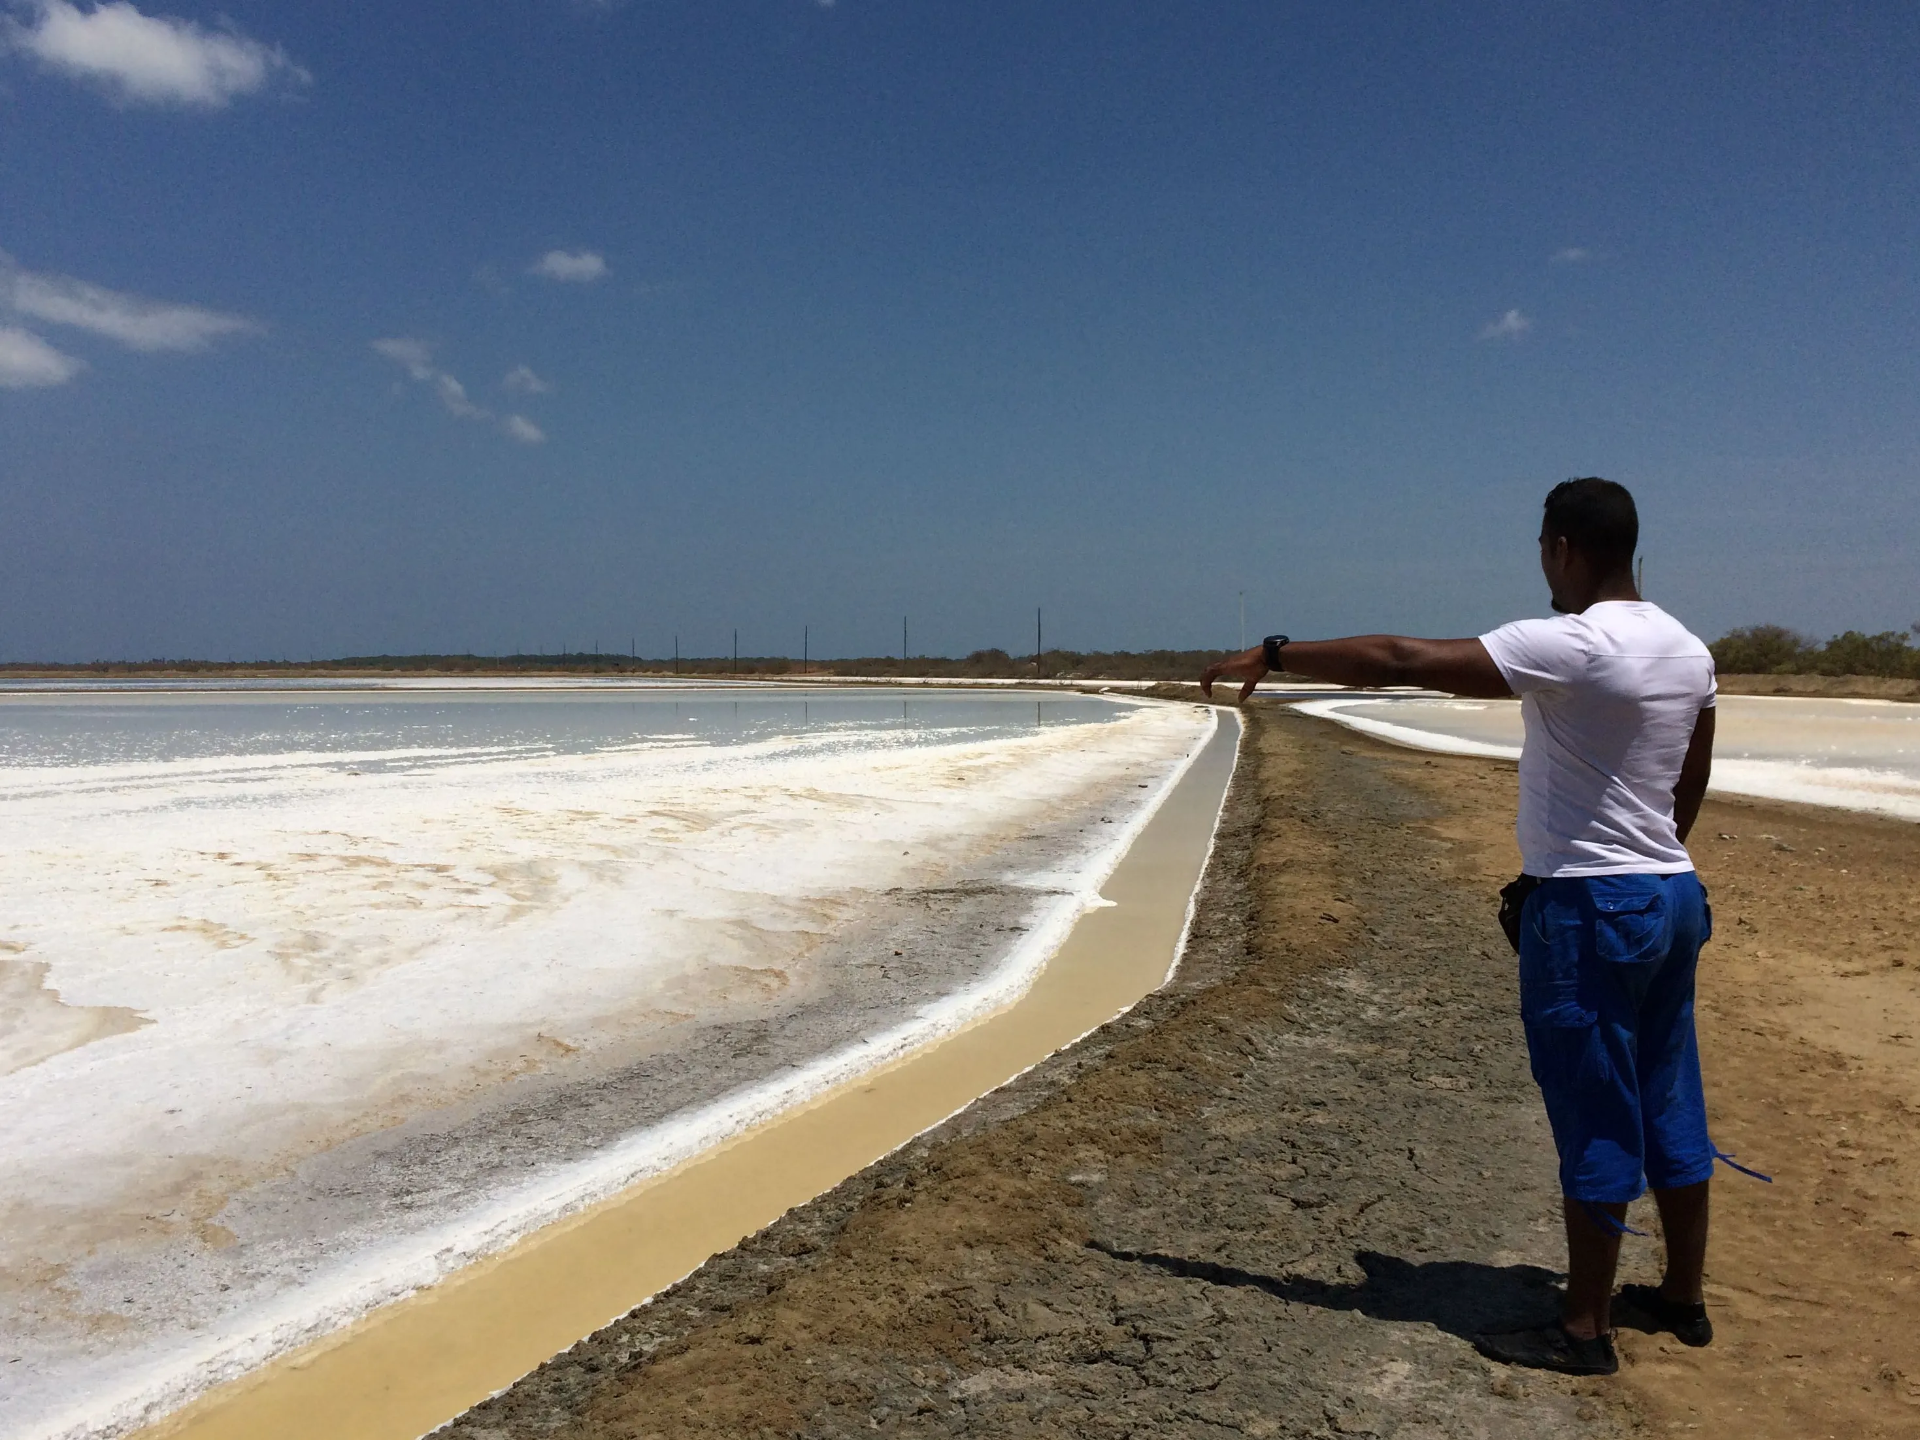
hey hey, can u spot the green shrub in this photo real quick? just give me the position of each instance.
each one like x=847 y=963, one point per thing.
x=1887 y=653
x=1776 y=650
x=1762 y=650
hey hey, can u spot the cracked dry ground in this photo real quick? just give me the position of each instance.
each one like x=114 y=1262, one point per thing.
x=1277 y=1196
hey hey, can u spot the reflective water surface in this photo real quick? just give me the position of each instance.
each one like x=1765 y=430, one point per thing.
x=400 y=728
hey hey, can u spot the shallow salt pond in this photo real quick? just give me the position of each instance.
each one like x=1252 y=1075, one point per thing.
x=313 y=998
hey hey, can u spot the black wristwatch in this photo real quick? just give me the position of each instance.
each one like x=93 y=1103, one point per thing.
x=1270 y=648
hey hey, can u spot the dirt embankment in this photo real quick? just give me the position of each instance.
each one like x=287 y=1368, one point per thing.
x=1276 y=1198
x=1837 y=687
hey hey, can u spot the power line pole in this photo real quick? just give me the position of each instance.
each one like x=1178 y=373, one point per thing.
x=806 y=639
x=1039 y=650
x=903 y=640
x=1243 y=619
x=676 y=654
x=736 y=650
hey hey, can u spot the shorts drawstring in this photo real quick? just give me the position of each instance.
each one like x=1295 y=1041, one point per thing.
x=1615 y=1227
x=1607 y=1222
x=1729 y=1161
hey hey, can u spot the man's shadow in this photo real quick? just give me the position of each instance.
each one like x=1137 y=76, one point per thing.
x=1461 y=1297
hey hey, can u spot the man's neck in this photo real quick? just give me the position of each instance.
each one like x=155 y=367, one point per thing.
x=1620 y=587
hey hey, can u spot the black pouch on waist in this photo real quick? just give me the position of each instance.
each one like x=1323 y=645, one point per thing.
x=1513 y=899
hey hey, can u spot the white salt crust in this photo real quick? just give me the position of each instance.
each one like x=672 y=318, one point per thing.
x=309 y=947
x=1849 y=754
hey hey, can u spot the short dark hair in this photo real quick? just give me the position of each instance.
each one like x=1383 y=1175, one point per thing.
x=1597 y=518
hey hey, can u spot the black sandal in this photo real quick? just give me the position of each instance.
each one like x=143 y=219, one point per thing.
x=1550 y=1347
x=1686 y=1323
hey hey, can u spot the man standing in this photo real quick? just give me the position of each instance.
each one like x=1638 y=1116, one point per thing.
x=1618 y=700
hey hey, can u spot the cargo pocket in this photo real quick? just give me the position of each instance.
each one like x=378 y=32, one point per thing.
x=1565 y=1051
x=1631 y=925
x=1563 y=1030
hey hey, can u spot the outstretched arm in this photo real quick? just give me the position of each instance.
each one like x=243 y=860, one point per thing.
x=1691 y=788
x=1460 y=667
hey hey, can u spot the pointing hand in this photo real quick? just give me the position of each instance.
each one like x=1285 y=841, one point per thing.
x=1249 y=667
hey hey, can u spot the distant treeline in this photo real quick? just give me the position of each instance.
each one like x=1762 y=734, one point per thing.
x=1776 y=650
x=1756 y=650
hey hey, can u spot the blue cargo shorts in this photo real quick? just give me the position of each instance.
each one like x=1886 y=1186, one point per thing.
x=1606 y=995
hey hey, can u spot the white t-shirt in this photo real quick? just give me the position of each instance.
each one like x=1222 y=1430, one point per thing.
x=1610 y=698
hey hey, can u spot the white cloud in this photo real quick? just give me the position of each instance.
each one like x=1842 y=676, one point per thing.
x=453 y=395
x=1510 y=326
x=27 y=362
x=1572 y=255
x=151 y=59
x=582 y=267
x=413 y=354
x=416 y=358
x=522 y=381
x=136 y=322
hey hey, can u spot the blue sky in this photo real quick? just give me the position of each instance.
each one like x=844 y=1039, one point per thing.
x=366 y=327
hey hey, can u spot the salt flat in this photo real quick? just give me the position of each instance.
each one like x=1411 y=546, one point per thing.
x=1853 y=754
x=304 y=1014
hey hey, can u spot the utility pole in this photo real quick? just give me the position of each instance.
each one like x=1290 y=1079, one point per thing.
x=736 y=650
x=676 y=654
x=1039 y=649
x=903 y=641
x=1243 y=619
x=806 y=639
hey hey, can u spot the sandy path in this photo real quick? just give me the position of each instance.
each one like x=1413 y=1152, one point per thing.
x=1275 y=1199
